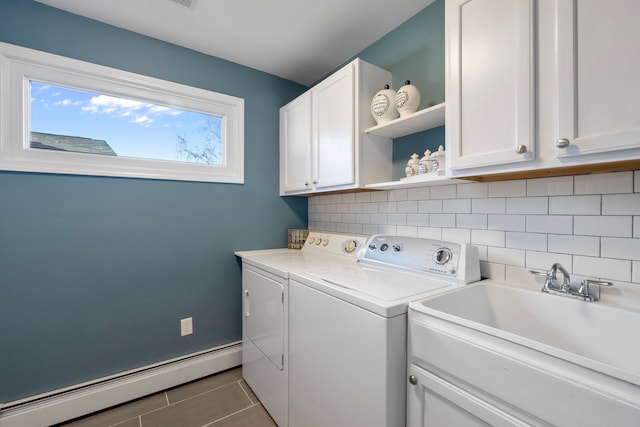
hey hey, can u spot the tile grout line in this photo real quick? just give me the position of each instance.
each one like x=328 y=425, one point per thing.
x=166 y=395
x=139 y=417
x=245 y=392
x=180 y=401
x=200 y=394
x=235 y=413
x=168 y=403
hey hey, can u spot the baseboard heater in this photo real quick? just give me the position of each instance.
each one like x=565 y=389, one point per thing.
x=82 y=399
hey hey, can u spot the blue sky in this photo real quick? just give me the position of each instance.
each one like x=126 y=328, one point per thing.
x=131 y=128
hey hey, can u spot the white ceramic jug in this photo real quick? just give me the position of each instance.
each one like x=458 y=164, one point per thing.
x=382 y=106
x=407 y=99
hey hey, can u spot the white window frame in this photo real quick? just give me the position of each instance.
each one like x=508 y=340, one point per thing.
x=19 y=66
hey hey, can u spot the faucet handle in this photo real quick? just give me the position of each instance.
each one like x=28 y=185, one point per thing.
x=550 y=279
x=585 y=289
x=538 y=273
x=551 y=283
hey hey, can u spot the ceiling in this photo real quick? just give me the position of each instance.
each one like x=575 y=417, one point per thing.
x=299 y=40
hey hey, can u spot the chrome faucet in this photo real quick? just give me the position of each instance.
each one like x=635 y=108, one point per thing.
x=551 y=282
x=583 y=291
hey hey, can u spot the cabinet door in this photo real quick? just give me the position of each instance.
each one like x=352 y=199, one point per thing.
x=490 y=82
x=431 y=401
x=598 y=76
x=295 y=145
x=333 y=130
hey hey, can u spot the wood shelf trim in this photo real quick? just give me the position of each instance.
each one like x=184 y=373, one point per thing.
x=585 y=169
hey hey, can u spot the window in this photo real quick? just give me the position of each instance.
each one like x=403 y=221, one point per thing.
x=61 y=115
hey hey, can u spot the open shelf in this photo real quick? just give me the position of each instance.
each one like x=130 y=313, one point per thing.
x=420 y=120
x=415 y=181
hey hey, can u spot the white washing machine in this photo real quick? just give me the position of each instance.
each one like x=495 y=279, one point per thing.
x=265 y=276
x=348 y=329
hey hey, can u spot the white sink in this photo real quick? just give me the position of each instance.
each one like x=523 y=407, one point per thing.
x=591 y=334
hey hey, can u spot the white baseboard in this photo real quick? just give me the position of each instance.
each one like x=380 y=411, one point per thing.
x=129 y=386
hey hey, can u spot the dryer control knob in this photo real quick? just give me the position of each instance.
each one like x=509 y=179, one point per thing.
x=442 y=255
x=325 y=242
x=397 y=248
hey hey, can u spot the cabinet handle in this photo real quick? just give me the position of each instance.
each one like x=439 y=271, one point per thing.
x=246 y=303
x=413 y=380
x=563 y=143
x=315 y=181
x=306 y=183
x=521 y=149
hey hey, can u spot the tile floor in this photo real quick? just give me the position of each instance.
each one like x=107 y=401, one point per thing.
x=221 y=400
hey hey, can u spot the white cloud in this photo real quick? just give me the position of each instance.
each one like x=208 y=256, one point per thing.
x=67 y=102
x=142 y=113
x=157 y=109
x=143 y=120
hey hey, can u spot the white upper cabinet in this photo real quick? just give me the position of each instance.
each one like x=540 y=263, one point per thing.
x=489 y=82
x=537 y=85
x=296 y=144
x=334 y=130
x=323 y=144
x=598 y=56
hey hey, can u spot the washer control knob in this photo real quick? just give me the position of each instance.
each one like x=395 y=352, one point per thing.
x=413 y=380
x=397 y=248
x=325 y=242
x=311 y=239
x=384 y=247
x=350 y=246
x=372 y=246
x=318 y=241
x=442 y=255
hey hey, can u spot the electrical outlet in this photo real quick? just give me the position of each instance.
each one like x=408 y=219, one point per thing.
x=186 y=326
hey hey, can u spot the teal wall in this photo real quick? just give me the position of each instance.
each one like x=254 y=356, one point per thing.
x=415 y=51
x=96 y=272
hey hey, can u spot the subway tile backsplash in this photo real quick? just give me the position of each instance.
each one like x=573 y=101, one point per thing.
x=589 y=223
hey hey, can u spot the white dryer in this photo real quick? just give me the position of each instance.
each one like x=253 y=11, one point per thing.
x=348 y=329
x=265 y=290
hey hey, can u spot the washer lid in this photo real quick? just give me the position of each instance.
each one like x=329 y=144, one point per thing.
x=282 y=262
x=385 y=292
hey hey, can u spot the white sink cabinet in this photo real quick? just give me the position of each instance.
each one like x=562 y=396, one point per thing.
x=536 y=85
x=323 y=144
x=495 y=354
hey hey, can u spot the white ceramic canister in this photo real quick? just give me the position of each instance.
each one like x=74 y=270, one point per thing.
x=438 y=161
x=425 y=163
x=407 y=99
x=412 y=165
x=382 y=106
